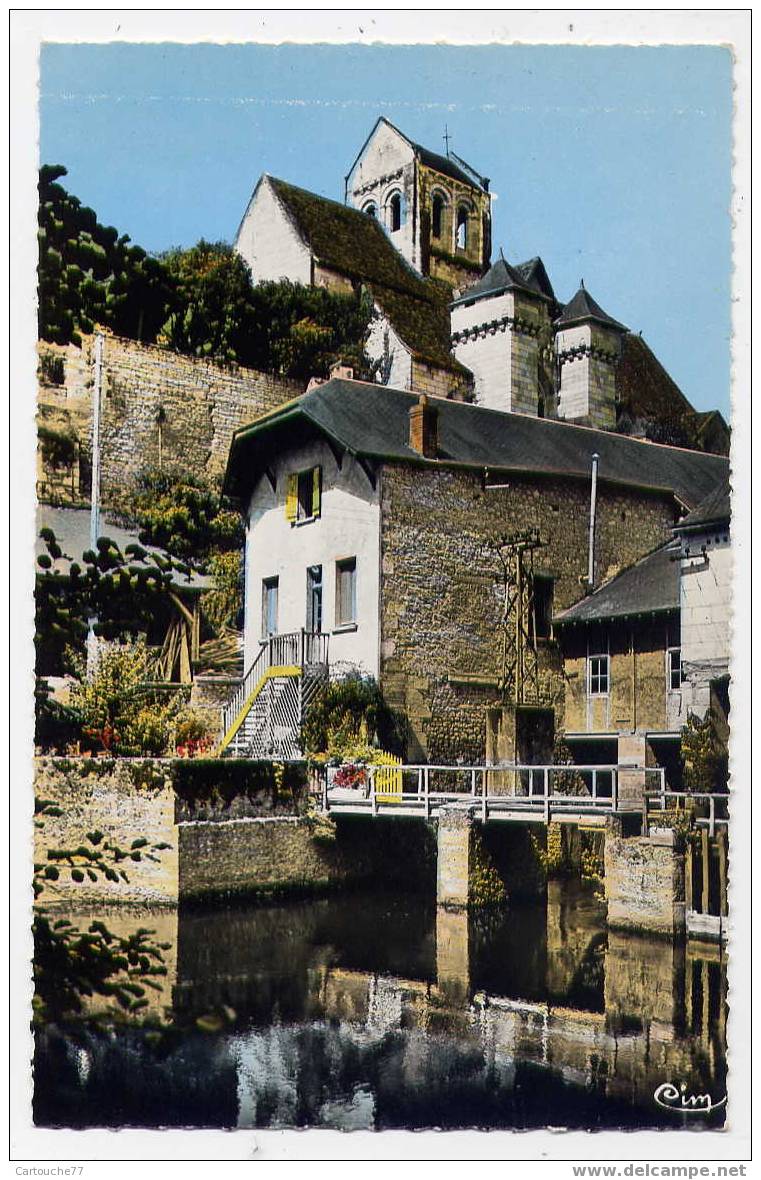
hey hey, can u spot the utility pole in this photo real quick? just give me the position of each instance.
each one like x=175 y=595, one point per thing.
x=97 y=389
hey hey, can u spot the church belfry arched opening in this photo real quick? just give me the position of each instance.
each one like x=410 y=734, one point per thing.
x=461 y=235
x=395 y=212
x=437 y=216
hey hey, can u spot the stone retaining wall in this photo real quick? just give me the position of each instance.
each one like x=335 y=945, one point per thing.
x=158 y=406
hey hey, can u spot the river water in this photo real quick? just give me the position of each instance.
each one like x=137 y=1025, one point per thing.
x=373 y=1010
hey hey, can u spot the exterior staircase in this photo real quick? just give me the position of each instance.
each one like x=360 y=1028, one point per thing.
x=263 y=718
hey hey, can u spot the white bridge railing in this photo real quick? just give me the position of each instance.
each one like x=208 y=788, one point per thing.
x=709 y=808
x=537 y=791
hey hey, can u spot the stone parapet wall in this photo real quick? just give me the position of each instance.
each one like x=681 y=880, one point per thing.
x=106 y=795
x=267 y=856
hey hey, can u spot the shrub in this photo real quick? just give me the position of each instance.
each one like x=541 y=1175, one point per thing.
x=349 y=713
x=117 y=709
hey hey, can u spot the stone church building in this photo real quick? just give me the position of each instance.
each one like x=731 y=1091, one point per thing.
x=414 y=232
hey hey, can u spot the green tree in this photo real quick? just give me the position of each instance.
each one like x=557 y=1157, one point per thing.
x=120 y=590
x=184 y=514
x=88 y=274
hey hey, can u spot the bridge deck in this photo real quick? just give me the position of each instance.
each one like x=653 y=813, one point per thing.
x=500 y=808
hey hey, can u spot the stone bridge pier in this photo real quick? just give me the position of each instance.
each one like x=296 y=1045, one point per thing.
x=476 y=867
x=480 y=865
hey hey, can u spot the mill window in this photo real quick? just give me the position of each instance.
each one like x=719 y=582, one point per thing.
x=674 y=668
x=598 y=673
x=543 y=593
x=270 y=588
x=346 y=591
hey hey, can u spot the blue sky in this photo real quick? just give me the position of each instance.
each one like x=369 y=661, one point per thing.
x=613 y=164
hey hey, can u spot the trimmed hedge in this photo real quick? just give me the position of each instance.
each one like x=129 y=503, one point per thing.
x=221 y=780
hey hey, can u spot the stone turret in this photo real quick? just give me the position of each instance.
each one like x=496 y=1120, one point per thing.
x=588 y=348
x=498 y=326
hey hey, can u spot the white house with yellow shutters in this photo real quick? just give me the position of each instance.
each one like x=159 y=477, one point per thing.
x=312 y=555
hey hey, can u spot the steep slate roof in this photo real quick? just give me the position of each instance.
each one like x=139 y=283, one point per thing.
x=500 y=276
x=716 y=508
x=373 y=421
x=354 y=244
x=72 y=531
x=584 y=307
x=645 y=390
x=650 y=586
x=534 y=273
x=450 y=165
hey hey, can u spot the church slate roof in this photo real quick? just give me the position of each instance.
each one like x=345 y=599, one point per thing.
x=355 y=245
x=450 y=165
x=646 y=392
x=500 y=276
x=534 y=273
x=650 y=586
x=584 y=307
x=372 y=421
x=715 y=509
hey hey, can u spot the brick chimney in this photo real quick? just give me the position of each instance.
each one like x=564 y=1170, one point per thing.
x=424 y=428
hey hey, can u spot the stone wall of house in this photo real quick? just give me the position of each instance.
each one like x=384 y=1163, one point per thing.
x=442 y=587
x=638 y=697
x=158 y=406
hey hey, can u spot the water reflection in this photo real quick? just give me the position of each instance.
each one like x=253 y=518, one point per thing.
x=377 y=1011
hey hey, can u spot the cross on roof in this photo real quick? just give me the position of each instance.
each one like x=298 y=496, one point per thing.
x=446 y=137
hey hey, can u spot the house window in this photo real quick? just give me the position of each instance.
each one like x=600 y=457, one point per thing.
x=462 y=228
x=395 y=212
x=674 y=668
x=303 y=495
x=346 y=592
x=269 y=606
x=542 y=593
x=437 y=216
x=598 y=672
x=314 y=598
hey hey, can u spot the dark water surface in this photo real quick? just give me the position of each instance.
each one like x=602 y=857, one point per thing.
x=375 y=1011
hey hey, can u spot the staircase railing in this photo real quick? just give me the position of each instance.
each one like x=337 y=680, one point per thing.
x=300 y=649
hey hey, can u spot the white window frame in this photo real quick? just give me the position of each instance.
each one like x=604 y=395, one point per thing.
x=598 y=655
x=670 y=651
x=344 y=563
x=268 y=584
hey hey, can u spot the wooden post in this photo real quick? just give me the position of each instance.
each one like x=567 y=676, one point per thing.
x=689 y=884
x=705 y=852
x=721 y=838
x=484 y=780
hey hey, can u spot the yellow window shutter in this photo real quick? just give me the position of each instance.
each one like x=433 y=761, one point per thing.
x=316 y=490
x=292 y=497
